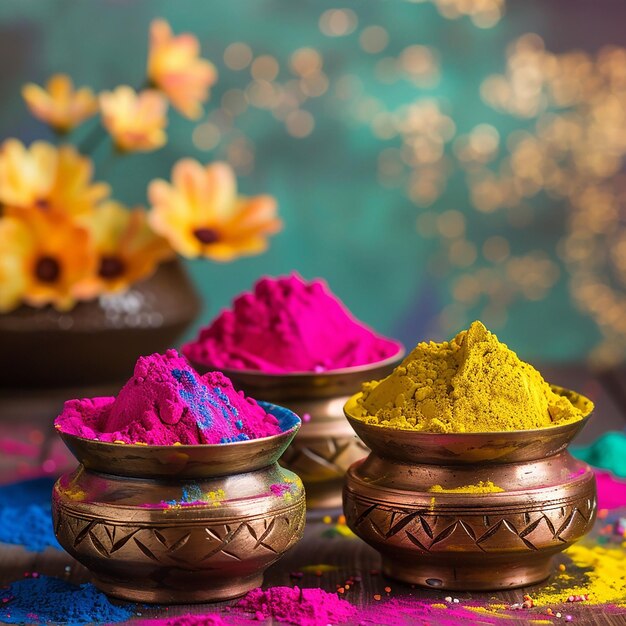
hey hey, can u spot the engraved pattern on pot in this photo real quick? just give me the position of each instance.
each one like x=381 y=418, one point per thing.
x=263 y=539
x=525 y=530
x=323 y=458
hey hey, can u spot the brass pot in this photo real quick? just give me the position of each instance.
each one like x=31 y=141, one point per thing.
x=469 y=541
x=97 y=342
x=326 y=446
x=179 y=524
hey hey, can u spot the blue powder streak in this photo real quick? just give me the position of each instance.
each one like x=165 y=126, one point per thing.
x=25 y=514
x=44 y=599
x=203 y=403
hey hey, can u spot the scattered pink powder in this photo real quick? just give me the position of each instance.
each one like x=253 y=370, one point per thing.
x=280 y=489
x=409 y=611
x=305 y=607
x=166 y=402
x=611 y=490
x=288 y=325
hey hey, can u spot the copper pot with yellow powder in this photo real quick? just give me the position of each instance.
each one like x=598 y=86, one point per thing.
x=179 y=524
x=325 y=447
x=469 y=484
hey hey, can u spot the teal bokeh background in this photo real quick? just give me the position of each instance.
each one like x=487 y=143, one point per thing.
x=341 y=223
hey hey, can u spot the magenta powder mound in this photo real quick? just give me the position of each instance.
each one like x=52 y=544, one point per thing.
x=305 y=607
x=288 y=325
x=166 y=402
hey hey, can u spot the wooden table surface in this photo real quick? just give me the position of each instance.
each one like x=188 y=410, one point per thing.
x=341 y=556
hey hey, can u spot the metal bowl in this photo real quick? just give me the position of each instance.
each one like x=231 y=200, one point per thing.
x=178 y=524
x=325 y=446
x=463 y=540
x=412 y=446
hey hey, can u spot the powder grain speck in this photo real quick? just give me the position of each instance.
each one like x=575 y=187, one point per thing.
x=43 y=600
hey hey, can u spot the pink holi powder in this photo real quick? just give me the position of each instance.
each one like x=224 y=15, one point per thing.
x=305 y=607
x=611 y=490
x=288 y=325
x=167 y=402
x=280 y=489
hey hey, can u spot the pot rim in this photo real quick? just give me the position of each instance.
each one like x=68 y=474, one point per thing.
x=305 y=375
x=471 y=447
x=188 y=461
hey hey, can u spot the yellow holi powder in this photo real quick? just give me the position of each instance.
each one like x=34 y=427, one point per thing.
x=214 y=497
x=472 y=383
x=439 y=606
x=480 y=487
x=605 y=578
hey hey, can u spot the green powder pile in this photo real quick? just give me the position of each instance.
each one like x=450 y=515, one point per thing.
x=607 y=452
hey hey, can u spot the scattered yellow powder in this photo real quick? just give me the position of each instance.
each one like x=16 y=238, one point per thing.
x=605 y=577
x=481 y=487
x=439 y=606
x=473 y=383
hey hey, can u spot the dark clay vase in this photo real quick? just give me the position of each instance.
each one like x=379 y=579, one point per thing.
x=97 y=342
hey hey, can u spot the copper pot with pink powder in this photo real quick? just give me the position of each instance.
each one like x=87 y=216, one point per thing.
x=295 y=343
x=178 y=495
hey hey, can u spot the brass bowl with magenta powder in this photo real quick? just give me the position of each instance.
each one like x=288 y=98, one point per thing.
x=325 y=447
x=179 y=524
x=455 y=539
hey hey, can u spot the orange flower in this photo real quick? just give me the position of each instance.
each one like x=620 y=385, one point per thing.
x=59 y=104
x=14 y=236
x=57 y=181
x=127 y=249
x=201 y=215
x=135 y=121
x=48 y=255
x=175 y=67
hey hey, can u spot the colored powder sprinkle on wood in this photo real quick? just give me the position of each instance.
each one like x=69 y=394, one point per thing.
x=209 y=619
x=605 y=577
x=43 y=599
x=607 y=452
x=166 y=402
x=288 y=325
x=472 y=383
x=481 y=487
x=25 y=514
x=305 y=607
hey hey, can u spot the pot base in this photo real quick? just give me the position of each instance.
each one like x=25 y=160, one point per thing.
x=480 y=576
x=198 y=591
x=325 y=495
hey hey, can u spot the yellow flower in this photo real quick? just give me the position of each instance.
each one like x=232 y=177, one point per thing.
x=135 y=121
x=59 y=104
x=57 y=181
x=48 y=256
x=13 y=237
x=127 y=249
x=175 y=67
x=201 y=215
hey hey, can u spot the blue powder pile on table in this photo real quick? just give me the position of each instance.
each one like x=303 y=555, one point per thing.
x=43 y=599
x=25 y=517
